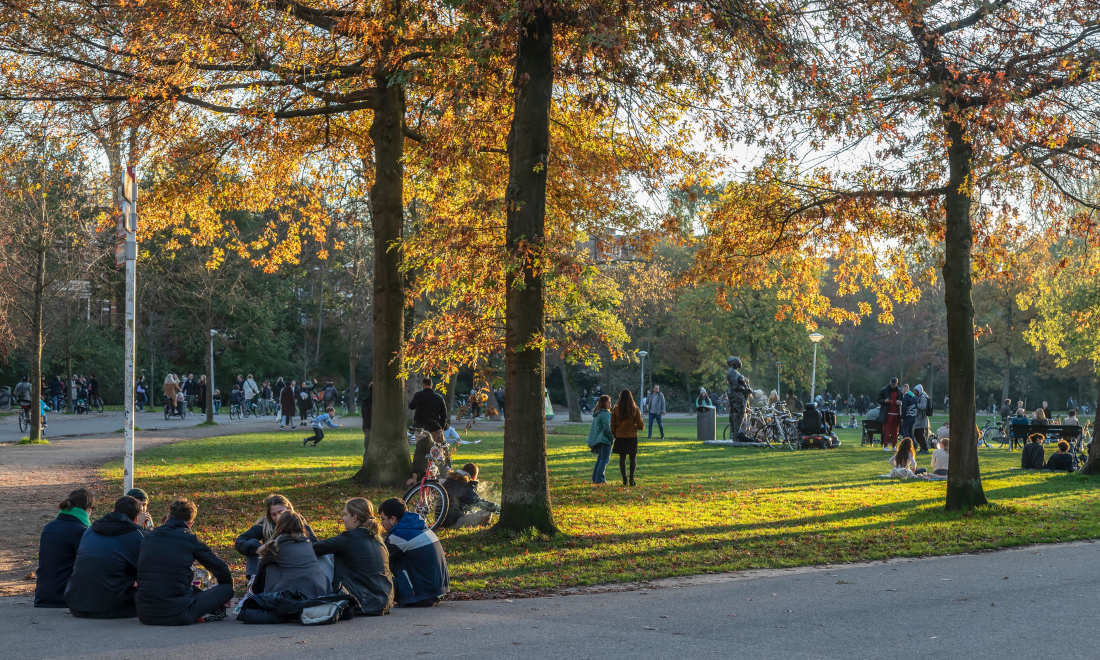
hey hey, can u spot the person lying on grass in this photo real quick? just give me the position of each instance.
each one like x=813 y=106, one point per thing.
x=467 y=508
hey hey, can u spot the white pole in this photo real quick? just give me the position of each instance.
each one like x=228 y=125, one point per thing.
x=777 y=380
x=813 y=380
x=128 y=369
x=642 y=399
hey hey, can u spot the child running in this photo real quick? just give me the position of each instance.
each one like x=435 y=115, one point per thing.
x=318 y=423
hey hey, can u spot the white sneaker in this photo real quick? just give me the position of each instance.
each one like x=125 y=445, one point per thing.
x=885 y=448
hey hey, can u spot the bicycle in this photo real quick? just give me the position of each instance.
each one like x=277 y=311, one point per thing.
x=991 y=433
x=96 y=404
x=171 y=411
x=24 y=416
x=235 y=409
x=429 y=498
x=343 y=406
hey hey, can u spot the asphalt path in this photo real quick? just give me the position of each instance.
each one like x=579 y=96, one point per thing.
x=1032 y=602
x=70 y=425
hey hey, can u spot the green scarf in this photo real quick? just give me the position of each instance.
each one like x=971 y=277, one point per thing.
x=79 y=514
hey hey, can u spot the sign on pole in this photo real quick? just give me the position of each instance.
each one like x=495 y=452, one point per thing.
x=126 y=254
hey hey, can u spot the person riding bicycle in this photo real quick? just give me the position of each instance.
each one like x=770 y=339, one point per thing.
x=93 y=389
x=250 y=390
x=23 y=391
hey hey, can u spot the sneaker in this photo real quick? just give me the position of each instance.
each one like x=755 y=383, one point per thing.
x=885 y=448
x=304 y=441
x=281 y=428
x=214 y=616
x=923 y=451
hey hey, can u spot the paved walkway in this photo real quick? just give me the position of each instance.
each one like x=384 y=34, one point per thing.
x=94 y=423
x=1034 y=602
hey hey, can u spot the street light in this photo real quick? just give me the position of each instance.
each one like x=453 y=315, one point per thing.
x=641 y=359
x=777 y=363
x=815 y=337
x=210 y=388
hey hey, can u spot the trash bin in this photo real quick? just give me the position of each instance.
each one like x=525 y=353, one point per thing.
x=705 y=424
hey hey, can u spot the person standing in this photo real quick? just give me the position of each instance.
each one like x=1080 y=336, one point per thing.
x=474 y=407
x=286 y=407
x=265 y=397
x=165 y=596
x=1047 y=412
x=140 y=394
x=601 y=438
x=656 y=404
x=889 y=410
x=277 y=390
x=737 y=394
x=305 y=401
x=185 y=389
x=908 y=411
x=58 y=546
x=200 y=393
x=57 y=393
x=430 y=411
x=992 y=404
x=626 y=421
x=923 y=408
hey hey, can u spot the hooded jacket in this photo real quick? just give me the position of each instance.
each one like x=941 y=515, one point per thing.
x=362 y=566
x=293 y=567
x=921 y=407
x=103 y=578
x=417 y=560
x=56 y=554
x=600 y=431
x=463 y=498
x=1033 y=456
x=164 y=570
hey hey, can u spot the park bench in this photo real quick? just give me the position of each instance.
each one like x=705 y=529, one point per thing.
x=1067 y=432
x=871 y=428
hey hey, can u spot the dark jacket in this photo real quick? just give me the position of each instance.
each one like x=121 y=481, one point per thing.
x=884 y=401
x=286 y=400
x=1060 y=462
x=56 y=388
x=56 y=554
x=417 y=560
x=430 y=410
x=106 y=568
x=1006 y=412
x=367 y=409
x=164 y=570
x=463 y=498
x=248 y=543
x=420 y=455
x=362 y=566
x=1032 y=456
x=293 y=567
x=908 y=408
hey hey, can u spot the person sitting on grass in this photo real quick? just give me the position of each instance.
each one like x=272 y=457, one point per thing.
x=943 y=431
x=248 y=544
x=320 y=421
x=905 y=458
x=143 y=520
x=417 y=560
x=1033 y=456
x=102 y=585
x=166 y=596
x=362 y=565
x=467 y=508
x=58 y=546
x=1061 y=460
x=941 y=457
x=288 y=562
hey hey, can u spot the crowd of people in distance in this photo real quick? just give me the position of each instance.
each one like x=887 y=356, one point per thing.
x=120 y=566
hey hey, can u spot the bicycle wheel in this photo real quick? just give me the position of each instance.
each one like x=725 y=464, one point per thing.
x=726 y=432
x=167 y=414
x=430 y=501
x=993 y=436
x=246 y=410
x=97 y=403
x=24 y=422
x=343 y=409
x=791 y=437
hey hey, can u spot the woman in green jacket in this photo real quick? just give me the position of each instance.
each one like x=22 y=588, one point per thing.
x=600 y=438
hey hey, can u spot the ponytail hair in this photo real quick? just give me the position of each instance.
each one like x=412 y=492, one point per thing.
x=81 y=498
x=363 y=511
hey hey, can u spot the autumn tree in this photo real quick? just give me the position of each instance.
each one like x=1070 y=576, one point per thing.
x=919 y=119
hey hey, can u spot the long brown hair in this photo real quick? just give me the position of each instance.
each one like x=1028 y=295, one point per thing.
x=81 y=498
x=363 y=511
x=289 y=523
x=626 y=405
x=603 y=403
x=905 y=451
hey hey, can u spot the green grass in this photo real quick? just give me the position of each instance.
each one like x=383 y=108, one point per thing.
x=697 y=509
x=27 y=441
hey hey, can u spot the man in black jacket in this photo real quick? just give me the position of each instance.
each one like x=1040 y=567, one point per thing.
x=165 y=595
x=430 y=411
x=102 y=585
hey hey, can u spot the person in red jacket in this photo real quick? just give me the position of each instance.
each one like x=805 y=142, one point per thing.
x=889 y=405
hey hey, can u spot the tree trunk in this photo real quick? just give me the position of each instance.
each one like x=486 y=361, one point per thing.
x=35 y=432
x=387 y=462
x=525 y=498
x=1092 y=466
x=1006 y=378
x=352 y=403
x=571 y=400
x=964 y=480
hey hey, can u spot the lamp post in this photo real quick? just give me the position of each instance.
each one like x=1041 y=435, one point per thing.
x=777 y=393
x=641 y=359
x=815 y=337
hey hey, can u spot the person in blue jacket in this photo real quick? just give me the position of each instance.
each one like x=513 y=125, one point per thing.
x=58 y=546
x=600 y=438
x=417 y=560
x=102 y=584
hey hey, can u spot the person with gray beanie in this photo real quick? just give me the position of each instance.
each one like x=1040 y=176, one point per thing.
x=923 y=406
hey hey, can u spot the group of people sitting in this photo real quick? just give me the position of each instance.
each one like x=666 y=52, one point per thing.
x=904 y=461
x=120 y=567
x=1033 y=456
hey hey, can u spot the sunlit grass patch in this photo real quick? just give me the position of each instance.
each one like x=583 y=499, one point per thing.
x=696 y=508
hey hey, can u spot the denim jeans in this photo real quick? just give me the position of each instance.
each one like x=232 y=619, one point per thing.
x=655 y=416
x=603 y=455
x=58 y=399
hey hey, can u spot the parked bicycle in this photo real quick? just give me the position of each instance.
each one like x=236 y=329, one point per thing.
x=429 y=498
x=993 y=433
x=24 y=416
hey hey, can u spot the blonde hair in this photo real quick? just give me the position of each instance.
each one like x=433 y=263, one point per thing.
x=363 y=511
x=265 y=520
x=1039 y=414
x=289 y=523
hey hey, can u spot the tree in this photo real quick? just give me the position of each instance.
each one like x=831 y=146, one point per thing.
x=49 y=233
x=956 y=111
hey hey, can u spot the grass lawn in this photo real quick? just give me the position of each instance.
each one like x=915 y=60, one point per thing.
x=696 y=509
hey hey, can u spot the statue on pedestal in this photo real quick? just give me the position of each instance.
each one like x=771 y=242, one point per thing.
x=737 y=394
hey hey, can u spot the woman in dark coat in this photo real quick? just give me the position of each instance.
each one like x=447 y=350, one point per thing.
x=57 y=548
x=249 y=543
x=286 y=407
x=288 y=563
x=626 y=421
x=362 y=562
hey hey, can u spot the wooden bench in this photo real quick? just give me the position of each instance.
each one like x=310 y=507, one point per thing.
x=1021 y=432
x=871 y=428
